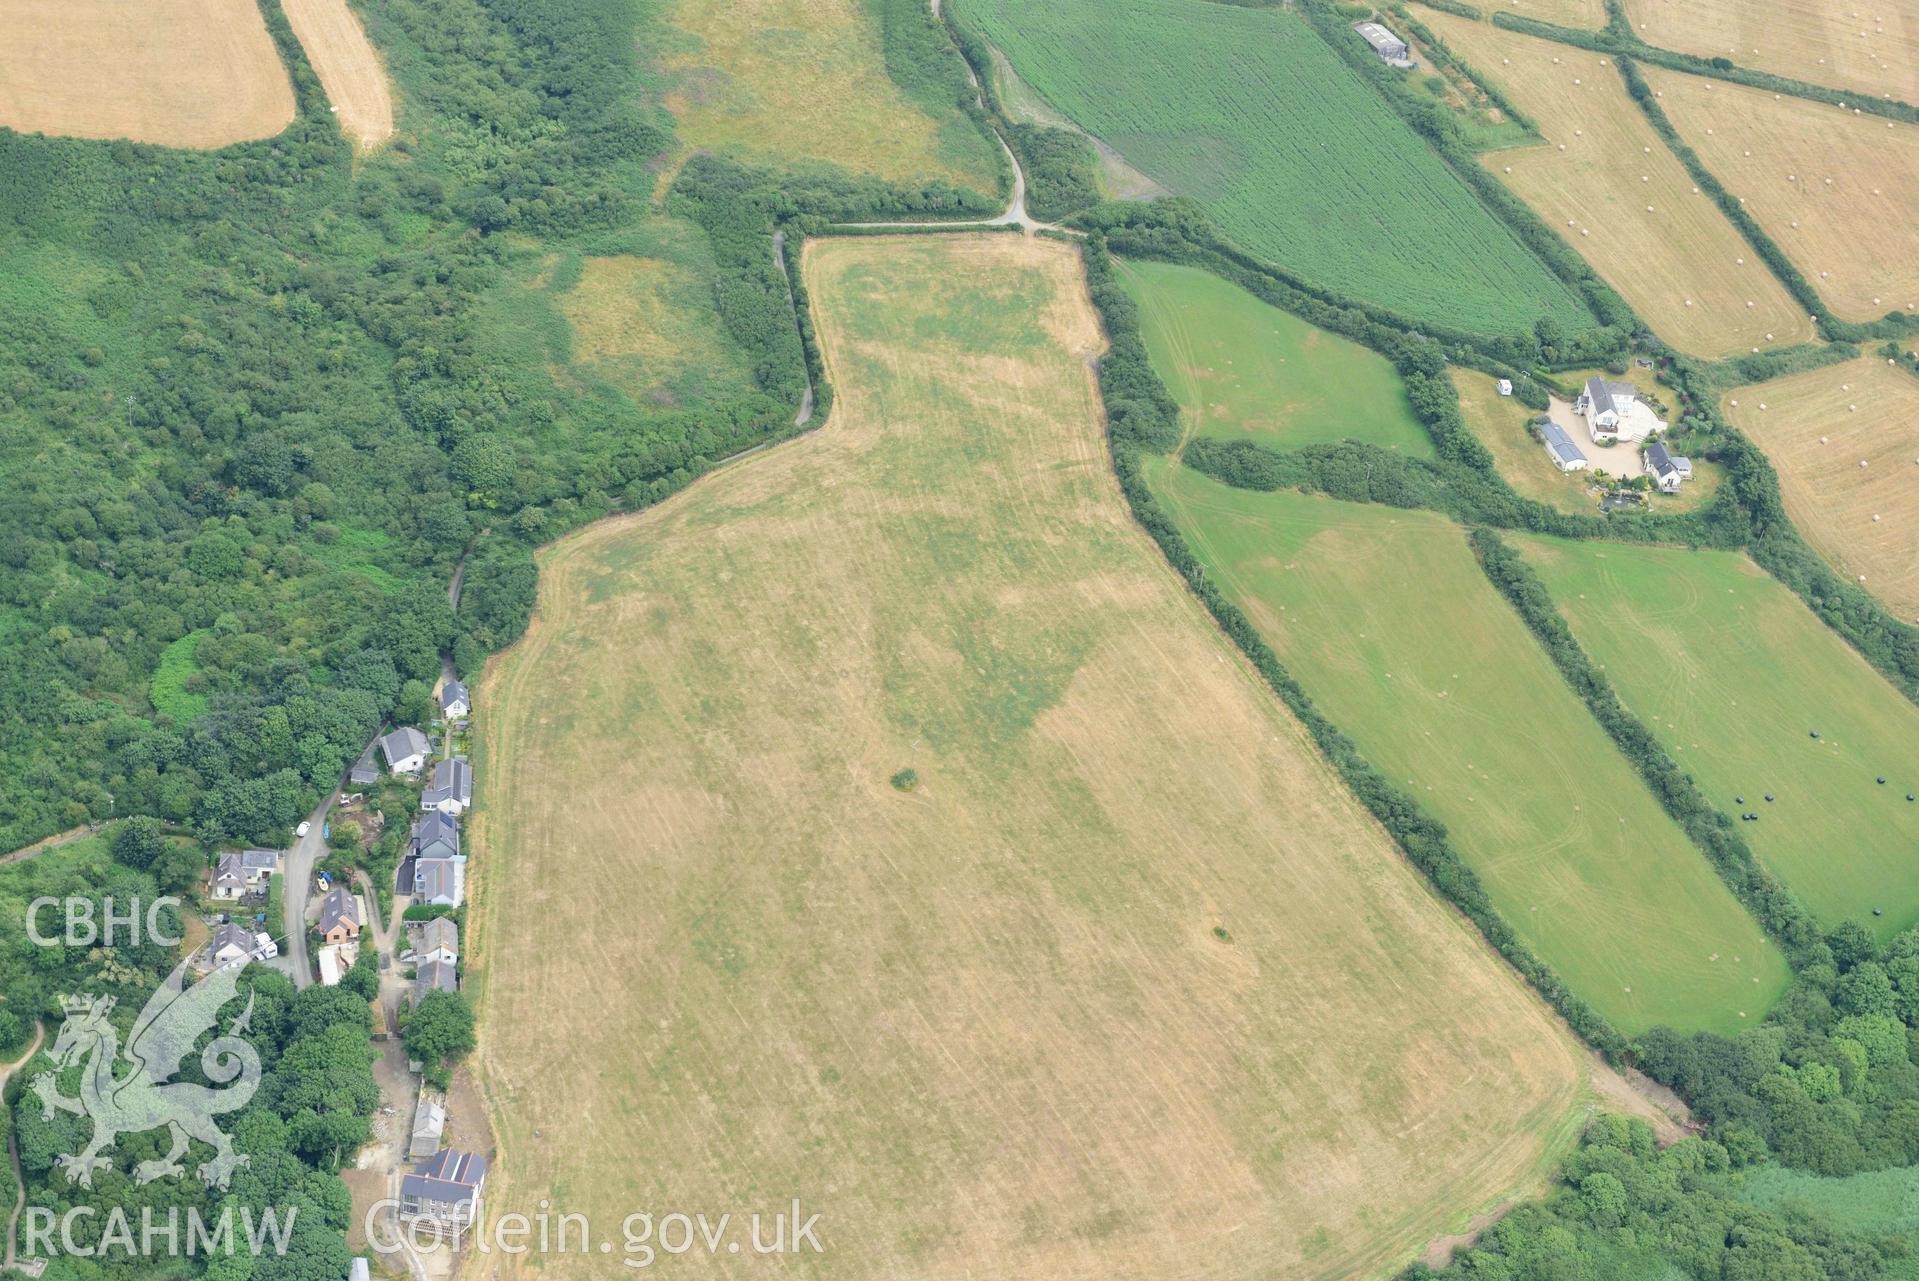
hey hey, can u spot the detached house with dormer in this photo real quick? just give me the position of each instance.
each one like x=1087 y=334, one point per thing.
x=1615 y=411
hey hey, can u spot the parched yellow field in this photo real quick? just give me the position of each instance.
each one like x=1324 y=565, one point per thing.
x=1124 y=986
x=1817 y=427
x=350 y=71
x=1870 y=45
x=183 y=73
x=1608 y=184
x=784 y=81
x=1836 y=190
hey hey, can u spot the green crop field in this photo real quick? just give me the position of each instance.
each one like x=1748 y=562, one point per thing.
x=1735 y=676
x=1243 y=369
x=1300 y=162
x=1387 y=620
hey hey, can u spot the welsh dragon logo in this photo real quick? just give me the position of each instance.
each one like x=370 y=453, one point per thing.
x=133 y=1102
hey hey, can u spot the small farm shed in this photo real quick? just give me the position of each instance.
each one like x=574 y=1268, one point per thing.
x=1388 y=46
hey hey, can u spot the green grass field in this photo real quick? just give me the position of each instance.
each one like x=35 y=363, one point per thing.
x=1299 y=161
x=1734 y=674
x=1387 y=620
x=1243 y=369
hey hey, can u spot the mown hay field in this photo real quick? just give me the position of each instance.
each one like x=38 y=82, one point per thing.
x=1667 y=248
x=350 y=70
x=182 y=73
x=1873 y=47
x=1735 y=675
x=784 y=82
x=1834 y=189
x=1243 y=369
x=1122 y=985
x=1590 y=14
x=1817 y=428
x=1300 y=162
x=1387 y=620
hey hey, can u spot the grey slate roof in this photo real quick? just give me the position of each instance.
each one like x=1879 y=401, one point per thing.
x=340 y=904
x=451 y=780
x=1559 y=443
x=452 y=692
x=232 y=935
x=1601 y=393
x=402 y=743
x=439 y=933
x=435 y=833
x=437 y=878
x=435 y=976
x=1659 y=459
x=364 y=771
x=429 y=1123
x=260 y=860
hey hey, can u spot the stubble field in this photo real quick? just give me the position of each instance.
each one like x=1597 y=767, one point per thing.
x=1387 y=620
x=349 y=69
x=1735 y=675
x=1667 y=249
x=1817 y=428
x=1834 y=189
x=184 y=73
x=1841 y=43
x=1123 y=986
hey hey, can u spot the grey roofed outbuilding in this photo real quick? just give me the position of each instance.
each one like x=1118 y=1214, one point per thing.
x=1562 y=447
x=451 y=781
x=438 y=934
x=260 y=860
x=404 y=742
x=340 y=904
x=1383 y=41
x=435 y=976
x=364 y=771
x=429 y=1125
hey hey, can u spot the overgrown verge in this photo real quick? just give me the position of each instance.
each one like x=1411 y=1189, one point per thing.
x=1141 y=413
x=1061 y=166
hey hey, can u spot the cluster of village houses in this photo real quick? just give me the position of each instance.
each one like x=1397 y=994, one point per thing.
x=442 y=1191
